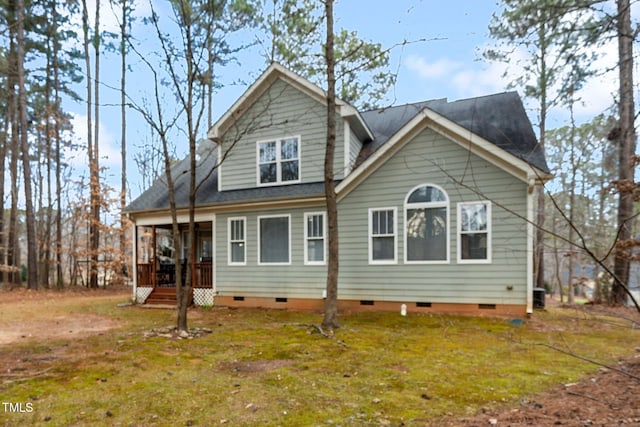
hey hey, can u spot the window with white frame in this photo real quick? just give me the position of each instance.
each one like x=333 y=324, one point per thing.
x=279 y=161
x=427 y=225
x=237 y=241
x=314 y=236
x=274 y=239
x=382 y=236
x=474 y=232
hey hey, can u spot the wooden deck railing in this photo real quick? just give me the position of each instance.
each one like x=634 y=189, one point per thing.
x=203 y=277
x=165 y=275
x=145 y=274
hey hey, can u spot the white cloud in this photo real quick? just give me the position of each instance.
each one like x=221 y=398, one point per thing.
x=459 y=80
x=110 y=14
x=435 y=70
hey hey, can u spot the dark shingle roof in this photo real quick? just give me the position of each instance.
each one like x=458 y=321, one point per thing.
x=157 y=196
x=500 y=119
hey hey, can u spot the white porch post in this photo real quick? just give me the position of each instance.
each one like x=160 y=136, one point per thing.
x=135 y=262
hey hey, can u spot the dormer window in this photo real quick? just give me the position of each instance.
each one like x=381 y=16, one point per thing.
x=279 y=161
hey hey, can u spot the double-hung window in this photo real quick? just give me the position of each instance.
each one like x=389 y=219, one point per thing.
x=237 y=241
x=474 y=232
x=274 y=242
x=426 y=225
x=279 y=161
x=382 y=236
x=314 y=236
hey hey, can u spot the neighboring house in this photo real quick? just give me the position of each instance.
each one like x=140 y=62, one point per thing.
x=435 y=203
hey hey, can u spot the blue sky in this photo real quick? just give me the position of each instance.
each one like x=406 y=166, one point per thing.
x=447 y=65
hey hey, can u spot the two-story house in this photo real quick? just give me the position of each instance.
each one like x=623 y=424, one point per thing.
x=435 y=205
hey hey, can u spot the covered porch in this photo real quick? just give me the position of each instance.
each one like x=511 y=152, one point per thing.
x=156 y=259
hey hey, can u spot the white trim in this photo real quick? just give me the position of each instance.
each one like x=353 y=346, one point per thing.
x=347 y=147
x=395 y=236
x=288 y=216
x=244 y=240
x=324 y=238
x=278 y=161
x=134 y=270
x=219 y=171
x=530 y=248
x=487 y=260
x=428 y=205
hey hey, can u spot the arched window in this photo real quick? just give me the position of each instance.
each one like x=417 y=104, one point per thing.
x=426 y=225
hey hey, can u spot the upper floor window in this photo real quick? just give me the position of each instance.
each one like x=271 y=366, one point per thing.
x=279 y=161
x=427 y=225
x=474 y=232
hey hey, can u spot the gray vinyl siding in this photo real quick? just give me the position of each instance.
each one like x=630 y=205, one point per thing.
x=425 y=160
x=355 y=145
x=282 y=111
x=296 y=280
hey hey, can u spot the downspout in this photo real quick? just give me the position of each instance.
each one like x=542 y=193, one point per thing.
x=531 y=231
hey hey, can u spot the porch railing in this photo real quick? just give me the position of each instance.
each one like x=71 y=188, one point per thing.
x=164 y=275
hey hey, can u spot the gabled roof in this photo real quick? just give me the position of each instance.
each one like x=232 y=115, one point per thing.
x=263 y=83
x=495 y=127
x=500 y=119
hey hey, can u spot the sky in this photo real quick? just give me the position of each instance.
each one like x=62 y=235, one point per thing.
x=448 y=64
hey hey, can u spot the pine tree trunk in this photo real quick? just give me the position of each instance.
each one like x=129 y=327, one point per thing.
x=626 y=153
x=95 y=164
x=57 y=136
x=330 y=320
x=3 y=160
x=32 y=254
x=123 y=139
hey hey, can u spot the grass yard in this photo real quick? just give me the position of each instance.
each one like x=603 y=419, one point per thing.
x=268 y=367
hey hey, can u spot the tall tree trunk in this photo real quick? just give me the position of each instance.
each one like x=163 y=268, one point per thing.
x=123 y=138
x=13 y=251
x=572 y=204
x=184 y=292
x=330 y=320
x=4 y=148
x=95 y=164
x=57 y=136
x=32 y=254
x=626 y=153
x=540 y=215
x=13 y=246
x=92 y=225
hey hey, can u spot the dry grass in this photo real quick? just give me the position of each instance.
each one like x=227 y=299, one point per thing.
x=262 y=367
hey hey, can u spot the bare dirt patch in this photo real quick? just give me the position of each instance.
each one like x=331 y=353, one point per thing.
x=68 y=326
x=38 y=320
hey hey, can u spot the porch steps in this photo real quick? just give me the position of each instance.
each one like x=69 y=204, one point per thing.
x=163 y=296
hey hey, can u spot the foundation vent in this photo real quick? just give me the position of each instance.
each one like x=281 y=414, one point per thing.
x=366 y=302
x=486 y=306
x=281 y=299
x=238 y=298
x=423 y=304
